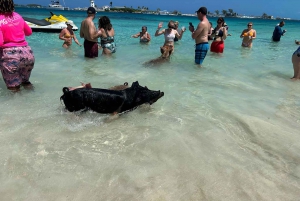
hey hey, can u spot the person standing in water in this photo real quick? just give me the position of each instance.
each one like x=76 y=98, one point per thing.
x=17 y=59
x=107 y=35
x=248 y=35
x=143 y=35
x=200 y=34
x=90 y=34
x=219 y=34
x=296 y=64
x=67 y=34
x=277 y=33
x=170 y=33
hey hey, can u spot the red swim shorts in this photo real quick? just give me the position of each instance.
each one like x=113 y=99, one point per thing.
x=217 y=46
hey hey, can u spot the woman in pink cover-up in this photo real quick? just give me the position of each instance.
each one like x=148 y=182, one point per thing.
x=16 y=57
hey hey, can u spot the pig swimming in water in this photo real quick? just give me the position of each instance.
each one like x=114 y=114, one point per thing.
x=109 y=101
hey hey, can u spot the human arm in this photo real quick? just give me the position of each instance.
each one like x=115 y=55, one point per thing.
x=157 y=33
x=242 y=34
x=224 y=33
x=136 y=35
x=76 y=41
x=81 y=31
x=254 y=34
x=27 y=29
x=62 y=35
x=179 y=36
x=198 y=31
x=148 y=37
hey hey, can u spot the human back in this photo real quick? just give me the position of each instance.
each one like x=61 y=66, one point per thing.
x=13 y=30
x=17 y=59
x=87 y=27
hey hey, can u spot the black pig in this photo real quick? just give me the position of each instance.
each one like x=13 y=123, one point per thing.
x=109 y=101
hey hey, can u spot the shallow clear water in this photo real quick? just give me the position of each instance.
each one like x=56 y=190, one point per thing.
x=227 y=131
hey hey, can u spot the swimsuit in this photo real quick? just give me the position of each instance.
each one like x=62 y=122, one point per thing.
x=244 y=44
x=169 y=37
x=297 y=52
x=248 y=34
x=16 y=64
x=144 y=39
x=90 y=49
x=68 y=36
x=200 y=52
x=217 y=46
x=108 y=42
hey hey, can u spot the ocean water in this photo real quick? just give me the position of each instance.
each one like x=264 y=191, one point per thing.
x=227 y=131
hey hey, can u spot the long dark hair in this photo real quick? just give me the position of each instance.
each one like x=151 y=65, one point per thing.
x=104 y=23
x=7 y=6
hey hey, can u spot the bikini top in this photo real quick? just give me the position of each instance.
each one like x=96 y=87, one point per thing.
x=108 y=39
x=248 y=33
x=169 y=37
x=68 y=36
x=144 y=39
x=220 y=32
x=297 y=51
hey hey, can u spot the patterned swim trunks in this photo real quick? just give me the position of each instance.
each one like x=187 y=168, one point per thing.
x=16 y=64
x=200 y=52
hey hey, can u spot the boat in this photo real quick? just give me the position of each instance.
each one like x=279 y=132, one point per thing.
x=56 y=6
x=54 y=23
x=163 y=12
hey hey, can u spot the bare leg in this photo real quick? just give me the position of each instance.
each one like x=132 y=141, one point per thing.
x=296 y=66
x=88 y=85
x=27 y=85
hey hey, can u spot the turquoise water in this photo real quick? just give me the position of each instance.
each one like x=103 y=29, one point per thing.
x=226 y=131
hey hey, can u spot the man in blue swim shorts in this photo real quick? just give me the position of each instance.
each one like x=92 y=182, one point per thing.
x=201 y=35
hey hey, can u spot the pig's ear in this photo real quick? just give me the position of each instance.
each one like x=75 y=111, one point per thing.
x=135 y=84
x=65 y=89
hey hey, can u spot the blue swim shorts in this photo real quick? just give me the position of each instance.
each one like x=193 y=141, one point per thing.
x=200 y=52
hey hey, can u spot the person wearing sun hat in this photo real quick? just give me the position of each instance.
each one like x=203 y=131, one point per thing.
x=67 y=34
x=90 y=34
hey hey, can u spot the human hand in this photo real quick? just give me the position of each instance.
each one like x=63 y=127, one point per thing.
x=183 y=29
x=191 y=28
x=160 y=25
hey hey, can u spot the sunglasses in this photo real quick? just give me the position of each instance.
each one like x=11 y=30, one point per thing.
x=171 y=27
x=249 y=25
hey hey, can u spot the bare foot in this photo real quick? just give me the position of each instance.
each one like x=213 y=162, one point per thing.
x=27 y=85
x=14 y=89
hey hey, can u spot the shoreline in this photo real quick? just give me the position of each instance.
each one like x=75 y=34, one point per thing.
x=163 y=12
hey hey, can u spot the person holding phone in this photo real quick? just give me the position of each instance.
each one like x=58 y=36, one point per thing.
x=200 y=34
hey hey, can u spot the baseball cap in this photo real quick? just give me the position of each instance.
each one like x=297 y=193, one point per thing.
x=91 y=10
x=202 y=10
